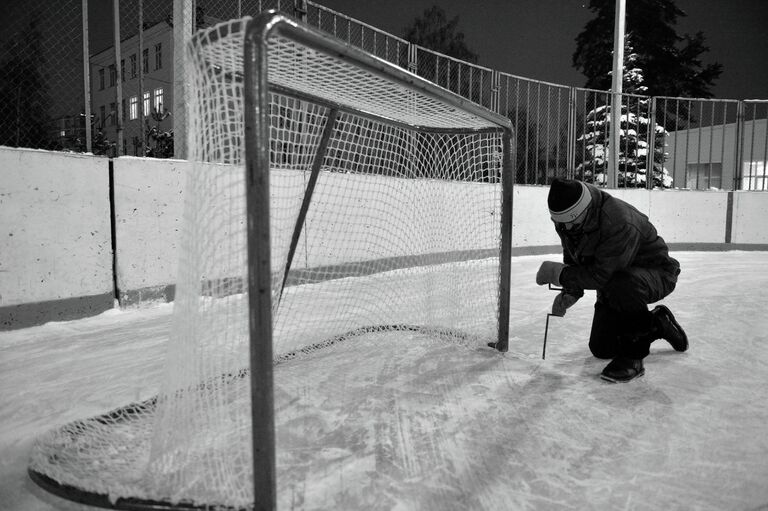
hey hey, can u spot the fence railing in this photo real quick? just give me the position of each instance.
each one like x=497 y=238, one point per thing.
x=69 y=84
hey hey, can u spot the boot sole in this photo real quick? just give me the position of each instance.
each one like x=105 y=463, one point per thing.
x=620 y=380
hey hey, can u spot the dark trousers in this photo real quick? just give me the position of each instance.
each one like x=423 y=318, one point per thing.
x=622 y=325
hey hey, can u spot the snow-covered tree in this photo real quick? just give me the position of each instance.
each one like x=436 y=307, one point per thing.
x=634 y=137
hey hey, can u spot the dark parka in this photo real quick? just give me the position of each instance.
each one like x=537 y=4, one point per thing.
x=614 y=236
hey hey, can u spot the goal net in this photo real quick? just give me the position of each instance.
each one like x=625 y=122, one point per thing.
x=339 y=197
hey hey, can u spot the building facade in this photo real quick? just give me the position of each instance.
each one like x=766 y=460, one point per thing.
x=147 y=107
x=732 y=156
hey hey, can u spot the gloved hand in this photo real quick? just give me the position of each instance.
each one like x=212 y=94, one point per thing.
x=549 y=273
x=563 y=302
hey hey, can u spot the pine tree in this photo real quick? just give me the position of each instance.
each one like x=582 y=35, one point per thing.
x=635 y=132
x=672 y=63
x=433 y=30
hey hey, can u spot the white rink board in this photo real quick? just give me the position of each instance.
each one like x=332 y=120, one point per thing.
x=683 y=216
x=55 y=239
x=149 y=206
x=750 y=217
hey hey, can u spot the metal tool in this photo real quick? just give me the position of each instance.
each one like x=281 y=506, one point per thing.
x=546 y=325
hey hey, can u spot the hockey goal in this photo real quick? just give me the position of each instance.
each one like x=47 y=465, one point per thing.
x=333 y=197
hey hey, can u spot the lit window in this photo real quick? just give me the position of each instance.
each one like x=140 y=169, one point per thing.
x=703 y=176
x=145 y=105
x=159 y=100
x=755 y=175
x=133 y=108
x=158 y=56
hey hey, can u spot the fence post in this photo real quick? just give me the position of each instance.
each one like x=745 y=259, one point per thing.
x=119 y=81
x=183 y=27
x=571 y=140
x=650 y=165
x=87 y=80
x=140 y=54
x=495 y=91
x=300 y=9
x=413 y=59
x=737 y=171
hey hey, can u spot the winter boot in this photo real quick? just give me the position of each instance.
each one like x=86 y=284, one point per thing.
x=622 y=369
x=669 y=329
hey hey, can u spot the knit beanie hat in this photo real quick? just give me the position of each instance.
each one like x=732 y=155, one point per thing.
x=567 y=199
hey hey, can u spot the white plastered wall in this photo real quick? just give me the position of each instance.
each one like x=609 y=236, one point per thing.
x=750 y=217
x=55 y=239
x=149 y=205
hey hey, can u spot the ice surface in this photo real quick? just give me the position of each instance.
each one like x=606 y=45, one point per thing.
x=402 y=422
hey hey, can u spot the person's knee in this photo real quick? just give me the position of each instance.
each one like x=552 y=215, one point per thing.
x=602 y=349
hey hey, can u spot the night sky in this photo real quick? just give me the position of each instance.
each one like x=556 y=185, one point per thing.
x=536 y=38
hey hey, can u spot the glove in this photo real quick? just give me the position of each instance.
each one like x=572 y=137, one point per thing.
x=549 y=273
x=563 y=302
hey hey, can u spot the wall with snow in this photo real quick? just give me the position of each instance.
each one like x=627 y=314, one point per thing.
x=55 y=236
x=56 y=244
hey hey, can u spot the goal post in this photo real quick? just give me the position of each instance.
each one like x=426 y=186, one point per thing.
x=257 y=160
x=333 y=200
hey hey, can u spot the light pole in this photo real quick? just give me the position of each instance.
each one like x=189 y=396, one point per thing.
x=616 y=84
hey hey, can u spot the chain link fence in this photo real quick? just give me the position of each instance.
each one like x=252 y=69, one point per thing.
x=42 y=96
x=69 y=84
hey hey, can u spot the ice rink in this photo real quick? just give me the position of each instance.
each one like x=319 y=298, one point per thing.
x=421 y=425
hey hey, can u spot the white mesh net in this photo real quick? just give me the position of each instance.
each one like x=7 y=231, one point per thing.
x=401 y=241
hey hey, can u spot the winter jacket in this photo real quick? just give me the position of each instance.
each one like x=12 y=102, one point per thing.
x=614 y=236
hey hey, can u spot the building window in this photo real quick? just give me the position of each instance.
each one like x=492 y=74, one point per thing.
x=122 y=111
x=133 y=66
x=145 y=105
x=103 y=115
x=159 y=100
x=133 y=108
x=101 y=79
x=112 y=75
x=158 y=56
x=122 y=70
x=704 y=176
x=145 y=61
x=755 y=175
x=112 y=115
